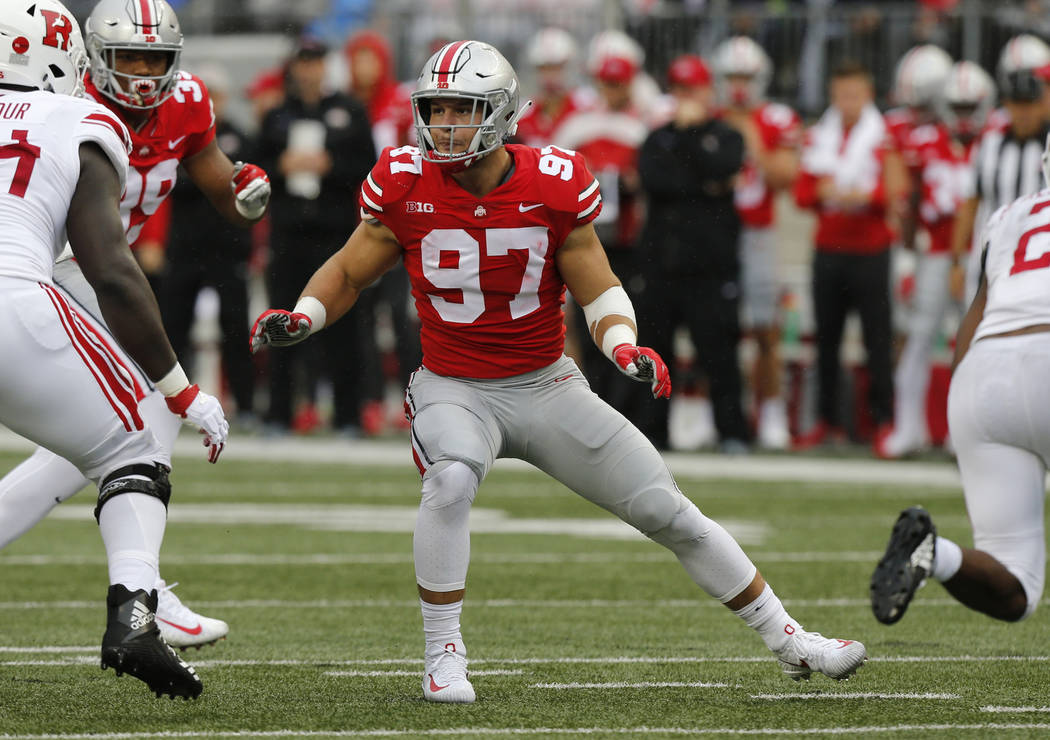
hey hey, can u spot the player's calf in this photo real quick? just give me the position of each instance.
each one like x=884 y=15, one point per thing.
x=132 y=644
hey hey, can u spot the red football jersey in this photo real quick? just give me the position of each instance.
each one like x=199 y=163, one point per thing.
x=935 y=161
x=180 y=127
x=487 y=291
x=779 y=127
x=899 y=121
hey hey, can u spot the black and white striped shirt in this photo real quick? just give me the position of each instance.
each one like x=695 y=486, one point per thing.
x=1008 y=168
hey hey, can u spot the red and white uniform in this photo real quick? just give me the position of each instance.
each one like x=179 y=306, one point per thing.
x=179 y=128
x=778 y=127
x=489 y=296
x=899 y=123
x=63 y=384
x=935 y=162
x=998 y=392
x=536 y=127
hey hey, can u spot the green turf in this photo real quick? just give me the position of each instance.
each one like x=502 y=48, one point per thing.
x=596 y=598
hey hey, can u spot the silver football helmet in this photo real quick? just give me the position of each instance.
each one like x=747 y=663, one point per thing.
x=741 y=56
x=41 y=47
x=473 y=71
x=966 y=100
x=920 y=76
x=142 y=25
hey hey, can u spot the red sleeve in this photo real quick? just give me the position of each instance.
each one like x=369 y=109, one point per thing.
x=155 y=230
x=588 y=193
x=388 y=181
x=198 y=114
x=806 y=190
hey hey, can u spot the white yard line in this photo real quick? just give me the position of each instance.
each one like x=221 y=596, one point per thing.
x=383 y=674
x=854 y=695
x=498 y=731
x=1014 y=710
x=640 y=685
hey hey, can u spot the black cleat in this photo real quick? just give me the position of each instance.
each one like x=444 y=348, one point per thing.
x=133 y=645
x=904 y=566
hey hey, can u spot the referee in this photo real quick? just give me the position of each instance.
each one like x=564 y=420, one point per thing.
x=1006 y=166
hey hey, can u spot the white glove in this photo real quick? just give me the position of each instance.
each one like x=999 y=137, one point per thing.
x=251 y=190
x=203 y=411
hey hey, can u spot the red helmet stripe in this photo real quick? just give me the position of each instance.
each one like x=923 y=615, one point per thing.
x=146 y=14
x=445 y=64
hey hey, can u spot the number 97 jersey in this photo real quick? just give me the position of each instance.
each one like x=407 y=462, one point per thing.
x=484 y=280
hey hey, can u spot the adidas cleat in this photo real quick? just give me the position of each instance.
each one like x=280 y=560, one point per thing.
x=811 y=651
x=445 y=676
x=132 y=644
x=904 y=566
x=180 y=626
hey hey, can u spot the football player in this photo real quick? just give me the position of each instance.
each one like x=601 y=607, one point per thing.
x=63 y=164
x=772 y=134
x=134 y=50
x=1001 y=433
x=933 y=160
x=492 y=235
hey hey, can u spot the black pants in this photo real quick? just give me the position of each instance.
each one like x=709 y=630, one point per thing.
x=841 y=283
x=710 y=310
x=341 y=352
x=224 y=268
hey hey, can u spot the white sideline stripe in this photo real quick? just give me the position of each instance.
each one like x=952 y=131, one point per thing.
x=692 y=465
x=1017 y=710
x=557 y=558
x=599 y=660
x=486 y=604
x=380 y=674
x=479 y=731
x=625 y=685
x=854 y=695
x=48 y=649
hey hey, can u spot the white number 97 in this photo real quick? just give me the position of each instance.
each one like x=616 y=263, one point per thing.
x=552 y=164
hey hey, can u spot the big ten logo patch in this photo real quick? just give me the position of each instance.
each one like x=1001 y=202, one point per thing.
x=415 y=206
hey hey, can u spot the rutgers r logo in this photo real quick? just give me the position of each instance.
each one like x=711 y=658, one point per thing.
x=58 y=29
x=415 y=206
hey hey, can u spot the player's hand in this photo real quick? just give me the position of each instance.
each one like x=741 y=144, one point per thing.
x=204 y=412
x=644 y=365
x=279 y=328
x=251 y=190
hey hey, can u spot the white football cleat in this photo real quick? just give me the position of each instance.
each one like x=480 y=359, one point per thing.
x=806 y=652
x=182 y=627
x=773 y=433
x=445 y=675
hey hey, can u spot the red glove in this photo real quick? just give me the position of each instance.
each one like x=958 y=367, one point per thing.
x=279 y=328
x=644 y=365
x=251 y=190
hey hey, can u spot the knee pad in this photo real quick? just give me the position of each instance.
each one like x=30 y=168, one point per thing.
x=449 y=482
x=151 y=480
x=666 y=516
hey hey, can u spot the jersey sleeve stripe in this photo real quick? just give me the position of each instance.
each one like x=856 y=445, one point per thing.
x=585 y=194
x=590 y=209
x=372 y=184
x=369 y=202
x=118 y=128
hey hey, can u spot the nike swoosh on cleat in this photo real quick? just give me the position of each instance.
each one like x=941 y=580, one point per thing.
x=433 y=686
x=194 y=631
x=522 y=208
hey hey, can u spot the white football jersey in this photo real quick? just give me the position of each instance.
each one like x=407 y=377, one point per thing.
x=40 y=138
x=1017 y=266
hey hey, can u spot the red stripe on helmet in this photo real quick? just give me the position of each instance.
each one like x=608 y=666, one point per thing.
x=145 y=10
x=444 y=66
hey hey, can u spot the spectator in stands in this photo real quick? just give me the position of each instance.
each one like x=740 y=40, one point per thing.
x=689 y=247
x=207 y=250
x=317 y=147
x=851 y=176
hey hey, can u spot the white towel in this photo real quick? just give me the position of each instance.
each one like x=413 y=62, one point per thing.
x=856 y=166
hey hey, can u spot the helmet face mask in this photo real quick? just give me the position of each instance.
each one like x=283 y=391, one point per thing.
x=465 y=74
x=41 y=48
x=146 y=28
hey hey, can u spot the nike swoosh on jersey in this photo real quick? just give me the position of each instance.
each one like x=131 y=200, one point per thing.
x=172 y=143
x=194 y=631
x=522 y=208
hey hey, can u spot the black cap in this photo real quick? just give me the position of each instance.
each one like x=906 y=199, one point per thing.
x=309 y=47
x=1021 y=86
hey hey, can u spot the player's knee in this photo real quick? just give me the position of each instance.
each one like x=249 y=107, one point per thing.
x=449 y=482
x=149 y=479
x=666 y=516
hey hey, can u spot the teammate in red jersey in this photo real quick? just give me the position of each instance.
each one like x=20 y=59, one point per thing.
x=491 y=236
x=134 y=47
x=772 y=134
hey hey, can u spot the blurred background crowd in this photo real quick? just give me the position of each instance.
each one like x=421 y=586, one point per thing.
x=796 y=264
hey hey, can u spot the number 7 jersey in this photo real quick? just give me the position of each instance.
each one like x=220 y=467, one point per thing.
x=484 y=280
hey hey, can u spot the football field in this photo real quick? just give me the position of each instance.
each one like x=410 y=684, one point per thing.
x=576 y=626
